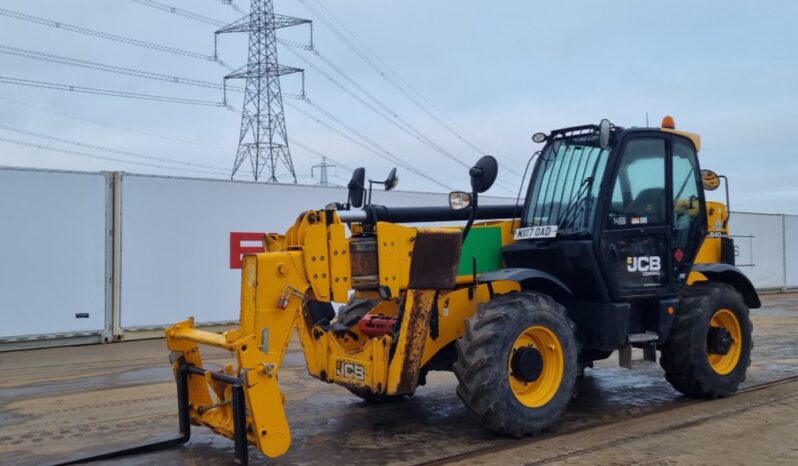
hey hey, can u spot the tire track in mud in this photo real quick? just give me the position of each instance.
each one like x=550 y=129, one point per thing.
x=744 y=407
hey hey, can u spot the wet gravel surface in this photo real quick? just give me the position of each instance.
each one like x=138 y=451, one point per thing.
x=61 y=403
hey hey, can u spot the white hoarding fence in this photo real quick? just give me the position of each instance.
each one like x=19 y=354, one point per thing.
x=175 y=257
x=791 y=251
x=89 y=256
x=54 y=269
x=182 y=240
x=759 y=247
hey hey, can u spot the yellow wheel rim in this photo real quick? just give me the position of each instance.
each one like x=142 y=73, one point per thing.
x=725 y=363
x=540 y=391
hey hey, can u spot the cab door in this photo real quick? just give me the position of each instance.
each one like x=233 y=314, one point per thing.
x=689 y=227
x=636 y=235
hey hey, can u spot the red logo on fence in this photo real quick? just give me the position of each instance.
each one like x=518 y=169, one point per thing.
x=244 y=243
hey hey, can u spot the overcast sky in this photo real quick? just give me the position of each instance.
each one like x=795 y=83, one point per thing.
x=497 y=71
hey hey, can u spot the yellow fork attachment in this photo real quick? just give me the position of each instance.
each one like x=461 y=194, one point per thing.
x=245 y=403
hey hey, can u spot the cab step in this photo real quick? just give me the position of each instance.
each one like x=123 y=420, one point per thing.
x=649 y=342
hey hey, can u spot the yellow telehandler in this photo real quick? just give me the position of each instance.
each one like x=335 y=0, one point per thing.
x=613 y=247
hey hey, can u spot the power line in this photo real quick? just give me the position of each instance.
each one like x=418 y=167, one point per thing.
x=101 y=157
x=109 y=125
x=409 y=129
x=319 y=154
x=168 y=138
x=24 y=53
x=419 y=101
x=374 y=147
x=105 y=35
x=107 y=92
x=107 y=149
x=368 y=145
x=110 y=68
x=179 y=12
x=386 y=112
x=404 y=125
x=214 y=22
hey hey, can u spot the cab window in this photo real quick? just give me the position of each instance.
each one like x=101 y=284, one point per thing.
x=686 y=202
x=639 y=196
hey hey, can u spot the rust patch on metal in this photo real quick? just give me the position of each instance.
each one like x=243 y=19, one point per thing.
x=364 y=262
x=415 y=338
x=436 y=257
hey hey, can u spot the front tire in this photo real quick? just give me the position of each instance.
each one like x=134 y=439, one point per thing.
x=517 y=364
x=709 y=348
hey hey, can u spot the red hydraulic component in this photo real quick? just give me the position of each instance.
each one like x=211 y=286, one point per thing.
x=375 y=325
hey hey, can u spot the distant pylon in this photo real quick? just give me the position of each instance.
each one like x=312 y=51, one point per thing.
x=324 y=179
x=263 y=139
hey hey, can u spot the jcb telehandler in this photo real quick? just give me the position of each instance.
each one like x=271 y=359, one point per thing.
x=613 y=247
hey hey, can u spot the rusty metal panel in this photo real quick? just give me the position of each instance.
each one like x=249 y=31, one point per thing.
x=414 y=336
x=436 y=257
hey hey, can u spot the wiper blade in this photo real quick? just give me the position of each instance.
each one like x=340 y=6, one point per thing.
x=569 y=217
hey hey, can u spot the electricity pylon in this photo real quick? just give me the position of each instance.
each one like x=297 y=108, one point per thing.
x=263 y=139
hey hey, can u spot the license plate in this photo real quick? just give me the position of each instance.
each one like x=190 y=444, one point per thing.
x=548 y=231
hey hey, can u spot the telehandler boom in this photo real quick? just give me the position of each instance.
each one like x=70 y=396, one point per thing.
x=614 y=247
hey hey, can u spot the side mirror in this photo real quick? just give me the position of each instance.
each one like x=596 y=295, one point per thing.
x=357 y=188
x=459 y=200
x=392 y=180
x=604 y=133
x=483 y=174
x=388 y=184
x=710 y=179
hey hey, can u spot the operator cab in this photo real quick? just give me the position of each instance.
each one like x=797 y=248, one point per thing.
x=617 y=214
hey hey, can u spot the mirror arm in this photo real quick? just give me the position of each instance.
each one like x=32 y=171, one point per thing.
x=728 y=206
x=371 y=185
x=472 y=217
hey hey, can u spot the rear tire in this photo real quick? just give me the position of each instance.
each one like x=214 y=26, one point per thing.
x=350 y=313
x=691 y=367
x=495 y=395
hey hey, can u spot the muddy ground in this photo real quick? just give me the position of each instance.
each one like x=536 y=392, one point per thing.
x=60 y=403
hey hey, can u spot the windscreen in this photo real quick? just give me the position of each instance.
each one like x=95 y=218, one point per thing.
x=565 y=185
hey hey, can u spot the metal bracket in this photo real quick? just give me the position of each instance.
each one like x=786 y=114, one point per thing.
x=625 y=356
x=175 y=356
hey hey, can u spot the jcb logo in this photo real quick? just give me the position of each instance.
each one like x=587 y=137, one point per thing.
x=647 y=265
x=350 y=370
